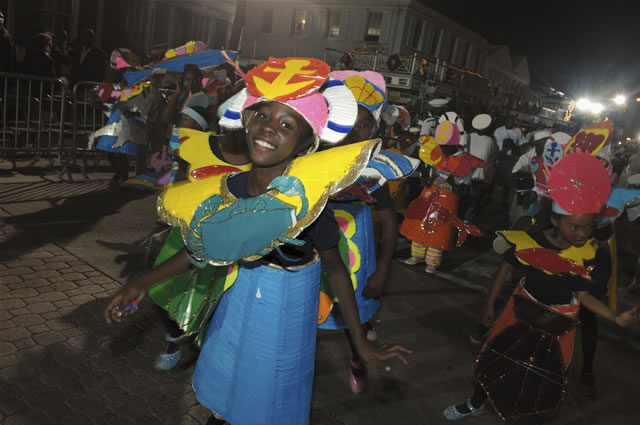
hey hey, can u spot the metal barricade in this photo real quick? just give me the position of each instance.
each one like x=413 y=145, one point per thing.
x=88 y=116
x=32 y=114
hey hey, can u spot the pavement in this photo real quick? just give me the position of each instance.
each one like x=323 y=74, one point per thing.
x=65 y=247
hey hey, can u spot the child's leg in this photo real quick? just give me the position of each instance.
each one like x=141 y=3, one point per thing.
x=417 y=254
x=433 y=259
x=589 y=344
x=171 y=353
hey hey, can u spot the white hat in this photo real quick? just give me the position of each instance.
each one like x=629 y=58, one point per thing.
x=481 y=121
x=438 y=103
x=540 y=135
x=414 y=130
x=561 y=137
x=634 y=180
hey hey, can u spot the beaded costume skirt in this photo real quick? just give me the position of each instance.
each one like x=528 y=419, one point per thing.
x=522 y=365
x=257 y=362
x=359 y=256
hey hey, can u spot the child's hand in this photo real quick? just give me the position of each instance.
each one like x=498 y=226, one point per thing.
x=628 y=317
x=375 y=285
x=380 y=356
x=124 y=303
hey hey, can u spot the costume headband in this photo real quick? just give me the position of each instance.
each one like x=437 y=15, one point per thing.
x=296 y=82
x=196 y=117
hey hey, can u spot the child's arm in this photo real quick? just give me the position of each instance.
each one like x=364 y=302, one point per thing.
x=598 y=307
x=342 y=288
x=389 y=225
x=136 y=289
x=489 y=314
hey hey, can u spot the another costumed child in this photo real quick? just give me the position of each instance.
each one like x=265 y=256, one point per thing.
x=430 y=219
x=522 y=367
x=270 y=231
x=353 y=212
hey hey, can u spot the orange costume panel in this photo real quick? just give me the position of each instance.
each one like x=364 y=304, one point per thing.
x=423 y=221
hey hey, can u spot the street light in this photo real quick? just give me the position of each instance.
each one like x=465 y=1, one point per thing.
x=596 y=108
x=583 y=104
x=620 y=100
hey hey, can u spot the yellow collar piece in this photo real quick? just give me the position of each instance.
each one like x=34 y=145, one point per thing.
x=521 y=241
x=322 y=174
x=194 y=148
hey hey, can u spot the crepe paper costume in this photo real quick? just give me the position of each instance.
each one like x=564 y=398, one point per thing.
x=457 y=120
x=295 y=82
x=124 y=58
x=591 y=139
x=431 y=218
x=186 y=49
x=579 y=184
x=367 y=87
x=522 y=365
x=203 y=163
x=530 y=253
x=119 y=135
x=459 y=165
x=204 y=60
x=257 y=363
x=359 y=256
x=385 y=167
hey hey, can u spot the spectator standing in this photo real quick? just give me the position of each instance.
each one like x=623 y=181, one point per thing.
x=509 y=138
x=88 y=62
x=7 y=48
x=38 y=60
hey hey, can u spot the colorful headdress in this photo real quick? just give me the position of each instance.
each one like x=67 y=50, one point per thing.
x=124 y=58
x=578 y=184
x=447 y=133
x=367 y=87
x=457 y=120
x=296 y=82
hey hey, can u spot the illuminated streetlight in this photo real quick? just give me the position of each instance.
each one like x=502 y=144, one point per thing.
x=583 y=104
x=620 y=99
x=596 y=108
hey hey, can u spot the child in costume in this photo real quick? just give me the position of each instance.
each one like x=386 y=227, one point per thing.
x=355 y=218
x=430 y=219
x=257 y=361
x=521 y=368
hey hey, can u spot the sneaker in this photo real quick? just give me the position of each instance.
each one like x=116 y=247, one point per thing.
x=358 y=379
x=411 y=261
x=451 y=413
x=166 y=361
x=431 y=269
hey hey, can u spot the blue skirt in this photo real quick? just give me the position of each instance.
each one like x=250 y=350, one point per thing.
x=356 y=224
x=105 y=143
x=257 y=362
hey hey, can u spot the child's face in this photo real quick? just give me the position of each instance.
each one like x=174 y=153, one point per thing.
x=274 y=134
x=575 y=229
x=363 y=127
x=187 y=122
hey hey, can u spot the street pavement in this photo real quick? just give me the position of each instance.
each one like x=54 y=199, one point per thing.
x=66 y=246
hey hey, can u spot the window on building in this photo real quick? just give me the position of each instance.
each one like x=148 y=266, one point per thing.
x=416 y=38
x=435 y=43
x=267 y=21
x=301 y=23
x=454 y=50
x=333 y=23
x=468 y=51
x=374 y=26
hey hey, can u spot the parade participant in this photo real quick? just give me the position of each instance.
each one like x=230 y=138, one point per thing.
x=509 y=138
x=188 y=84
x=436 y=109
x=355 y=219
x=484 y=147
x=521 y=368
x=262 y=335
x=430 y=219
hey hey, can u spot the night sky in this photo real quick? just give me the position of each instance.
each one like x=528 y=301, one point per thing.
x=580 y=47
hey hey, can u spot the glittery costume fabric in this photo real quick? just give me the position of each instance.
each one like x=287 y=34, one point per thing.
x=522 y=365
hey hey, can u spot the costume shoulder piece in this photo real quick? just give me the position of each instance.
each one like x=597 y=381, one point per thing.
x=385 y=166
x=220 y=229
x=194 y=148
x=550 y=261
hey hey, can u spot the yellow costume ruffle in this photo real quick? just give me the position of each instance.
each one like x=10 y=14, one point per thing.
x=322 y=174
x=194 y=148
x=521 y=241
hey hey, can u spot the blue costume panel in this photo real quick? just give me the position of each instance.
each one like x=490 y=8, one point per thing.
x=257 y=362
x=356 y=224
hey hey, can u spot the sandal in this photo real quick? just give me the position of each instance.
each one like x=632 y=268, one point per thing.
x=167 y=361
x=451 y=413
